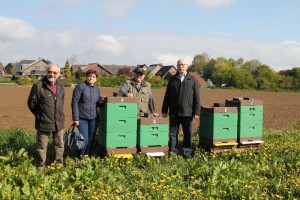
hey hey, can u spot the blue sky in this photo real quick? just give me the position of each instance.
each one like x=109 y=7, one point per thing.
x=135 y=32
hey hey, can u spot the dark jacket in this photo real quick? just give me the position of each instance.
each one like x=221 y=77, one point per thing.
x=182 y=98
x=47 y=108
x=85 y=100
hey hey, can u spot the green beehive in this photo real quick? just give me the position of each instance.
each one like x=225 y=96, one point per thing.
x=250 y=117
x=118 y=122
x=152 y=132
x=218 y=123
x=117 y=139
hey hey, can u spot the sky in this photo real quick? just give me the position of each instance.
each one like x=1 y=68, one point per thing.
x=131 y=32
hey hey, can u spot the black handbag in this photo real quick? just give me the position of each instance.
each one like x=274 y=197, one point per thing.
x=73 y=139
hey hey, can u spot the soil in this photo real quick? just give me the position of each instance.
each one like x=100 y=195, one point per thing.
x=281 y=109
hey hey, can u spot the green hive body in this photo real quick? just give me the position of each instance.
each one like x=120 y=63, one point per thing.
x=250 y=118
x=218 y=123
x=118 y=123
x=152 y=132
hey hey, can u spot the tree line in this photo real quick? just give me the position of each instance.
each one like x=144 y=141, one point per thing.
x=244 y=75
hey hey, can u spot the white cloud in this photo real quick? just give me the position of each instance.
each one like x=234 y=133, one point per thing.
x=290 y=42
x=12 y=29
x=117 y=9
x=131 y=48
x=171 y=59
x=64 y=39
x=68 y=2
x=213 y=3
x=108 y=44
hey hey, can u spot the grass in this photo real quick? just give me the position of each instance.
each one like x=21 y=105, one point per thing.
x=271 y=172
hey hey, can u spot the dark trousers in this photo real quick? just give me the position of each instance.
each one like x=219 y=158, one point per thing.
x=42 y=145
x=87 y=127
x=186 y=123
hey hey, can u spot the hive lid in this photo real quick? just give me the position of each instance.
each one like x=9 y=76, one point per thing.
x=120 y=100
x=219 y=109
x=155 y=120
x=243 y=101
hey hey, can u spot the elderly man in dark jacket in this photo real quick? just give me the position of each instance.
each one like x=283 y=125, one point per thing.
x=182 y=99
x=46 y=102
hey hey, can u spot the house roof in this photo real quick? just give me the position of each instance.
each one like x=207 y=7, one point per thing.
x=91 y=65
x=200 y=80
x=164 y=70
x=153 y=66
x=114 y=69
x=24 y=66
x=75 y=67
x=2 y=69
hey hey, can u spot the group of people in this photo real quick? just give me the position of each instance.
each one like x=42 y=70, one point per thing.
x=46 y=101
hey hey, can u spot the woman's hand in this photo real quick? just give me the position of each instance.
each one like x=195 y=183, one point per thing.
x=76 y=123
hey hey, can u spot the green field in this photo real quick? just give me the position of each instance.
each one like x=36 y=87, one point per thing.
x=271 y=172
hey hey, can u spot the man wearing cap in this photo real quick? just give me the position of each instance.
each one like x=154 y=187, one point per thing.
x=141 y=89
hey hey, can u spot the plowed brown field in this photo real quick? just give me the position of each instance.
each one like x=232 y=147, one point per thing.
x=281 y=110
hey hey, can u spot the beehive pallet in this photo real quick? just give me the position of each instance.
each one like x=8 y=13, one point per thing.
x=217 y=142
x=114 y=151
x=152 y=149
x=250 y=142
x=214 y=149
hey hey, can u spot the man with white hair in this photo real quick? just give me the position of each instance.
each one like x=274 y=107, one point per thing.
x=182 y=101
x=46 y=102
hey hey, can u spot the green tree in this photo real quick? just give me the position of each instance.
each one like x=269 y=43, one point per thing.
x=295 y=74
x=199 y=61
x=67 y=69
x=266 y=78
x=251 y=65
x=79 y=73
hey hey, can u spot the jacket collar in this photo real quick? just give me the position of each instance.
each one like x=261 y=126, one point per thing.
x=143 y=83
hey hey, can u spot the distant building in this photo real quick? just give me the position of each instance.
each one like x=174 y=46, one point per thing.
x=200 y=80
x=28 y=67
x=114 y=69
x=283 y=72
x=154 y=68
x=102 y=71
x=166 y=72
x=2 y=69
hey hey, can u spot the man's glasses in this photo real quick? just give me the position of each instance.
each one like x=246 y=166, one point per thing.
x=52 y=72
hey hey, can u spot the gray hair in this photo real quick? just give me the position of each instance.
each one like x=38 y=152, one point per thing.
x=52 y=64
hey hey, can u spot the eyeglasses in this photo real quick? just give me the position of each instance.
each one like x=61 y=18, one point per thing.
x=181 y=64
x=52 y=72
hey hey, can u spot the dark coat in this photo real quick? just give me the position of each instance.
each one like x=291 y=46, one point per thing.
x=85 y=101
x=47 y=108
x=182 y=98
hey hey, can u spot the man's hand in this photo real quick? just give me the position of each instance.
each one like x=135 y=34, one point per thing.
x=196 y=116
x=165 y=115
x=155 y=114
x=129 y=95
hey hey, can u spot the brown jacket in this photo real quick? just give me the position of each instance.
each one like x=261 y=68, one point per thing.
x=47 y=108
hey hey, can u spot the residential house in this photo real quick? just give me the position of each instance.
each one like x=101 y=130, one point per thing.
x=28 y=67
x=154 y=68
x=114 y=69
x=102 y=71
x=282 y=72
x=2 y=69
x=74 y=68
x=15 y=68
x=166 y=72
x=200 y=80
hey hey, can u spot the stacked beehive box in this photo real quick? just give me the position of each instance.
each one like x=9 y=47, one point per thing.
x=250 y=120
x=152 y=135
x=218 y=127
x=117 y=131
